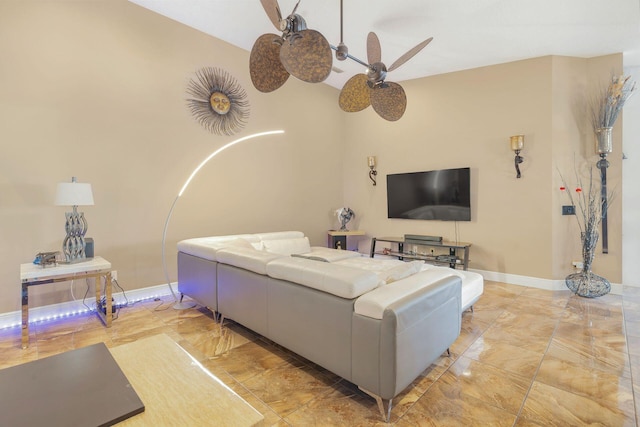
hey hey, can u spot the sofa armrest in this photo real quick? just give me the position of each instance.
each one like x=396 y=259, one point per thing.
x=390 y=353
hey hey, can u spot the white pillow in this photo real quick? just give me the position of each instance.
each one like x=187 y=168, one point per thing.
x=401 y=271
x=299 y=245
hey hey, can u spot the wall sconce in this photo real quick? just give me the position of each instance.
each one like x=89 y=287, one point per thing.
x=517 y=143
x=371 y=161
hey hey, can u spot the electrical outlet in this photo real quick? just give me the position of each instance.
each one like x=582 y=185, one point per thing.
x=114 y=275
x=569 y=210
x=577 y=264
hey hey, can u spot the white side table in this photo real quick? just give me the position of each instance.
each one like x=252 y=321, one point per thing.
x=32 y=274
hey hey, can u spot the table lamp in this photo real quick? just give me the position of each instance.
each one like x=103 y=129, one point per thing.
x=74 y=194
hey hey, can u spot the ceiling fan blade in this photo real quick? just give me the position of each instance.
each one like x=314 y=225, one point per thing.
x=265 y=68
x=410 y=54
x=307 y=56
x=389 y=101
x=295 y=8
x=273 y=11
x=374 y=53
x=354 y=95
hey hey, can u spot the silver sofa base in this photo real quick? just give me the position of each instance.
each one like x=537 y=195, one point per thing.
x=381 y=356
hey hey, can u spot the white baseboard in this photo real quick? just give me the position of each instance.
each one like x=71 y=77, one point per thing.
x=71 y=308
x=534 y=282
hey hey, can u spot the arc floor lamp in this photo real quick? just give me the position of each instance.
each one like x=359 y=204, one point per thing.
x=179 y=305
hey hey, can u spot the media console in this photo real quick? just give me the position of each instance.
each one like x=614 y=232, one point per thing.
x=457 y=254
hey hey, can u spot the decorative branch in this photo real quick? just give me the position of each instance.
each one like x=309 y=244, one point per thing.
x=607 y=106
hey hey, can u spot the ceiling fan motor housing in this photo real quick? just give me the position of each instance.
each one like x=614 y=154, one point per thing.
x=376 y=72
x=342 y=52
x=293 y=24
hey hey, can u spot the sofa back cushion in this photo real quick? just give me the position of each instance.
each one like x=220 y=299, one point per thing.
x=277 y=235
x=299 y=245
x=247 y=258
x=345 y=282
x=207 y=247
x=329 y=254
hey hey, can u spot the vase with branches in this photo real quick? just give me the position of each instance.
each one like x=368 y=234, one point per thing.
x=608 y=104
x=590 y=210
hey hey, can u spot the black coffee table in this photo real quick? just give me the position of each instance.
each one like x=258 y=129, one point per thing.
x=83 y=387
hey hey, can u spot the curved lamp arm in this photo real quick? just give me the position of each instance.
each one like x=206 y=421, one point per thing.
x=179 y=304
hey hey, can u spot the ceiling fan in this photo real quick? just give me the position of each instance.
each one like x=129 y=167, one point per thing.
x=299 y=51
x=306 y=54
x=387 y=98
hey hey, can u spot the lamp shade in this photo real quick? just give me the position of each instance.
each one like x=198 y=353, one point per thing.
x=74 y=194
x=517 y=142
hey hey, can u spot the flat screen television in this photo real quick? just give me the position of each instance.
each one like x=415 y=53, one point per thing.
x=432 y=195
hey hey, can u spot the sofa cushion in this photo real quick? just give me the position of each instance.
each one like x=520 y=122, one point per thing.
x=372 y=304
x=247 y=258
x=299 y=245
x=339 y=280
x=320 y=253
x=387 y=270
x=401 y=271
x=472 y=284
x=207 y=247
x=277 y=235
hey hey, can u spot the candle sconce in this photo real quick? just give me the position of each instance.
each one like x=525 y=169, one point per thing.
x=517 y=143
x=371 y=161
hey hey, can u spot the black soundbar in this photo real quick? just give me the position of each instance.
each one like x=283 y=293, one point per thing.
x=416 y=239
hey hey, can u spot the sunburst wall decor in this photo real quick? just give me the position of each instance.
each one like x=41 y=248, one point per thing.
x=219 y=103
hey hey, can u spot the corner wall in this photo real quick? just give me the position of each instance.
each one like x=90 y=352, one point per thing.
x=96 y=89
x=465 y=119
x=630 y=179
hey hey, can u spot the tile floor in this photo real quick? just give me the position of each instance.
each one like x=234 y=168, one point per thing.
x=525 y=357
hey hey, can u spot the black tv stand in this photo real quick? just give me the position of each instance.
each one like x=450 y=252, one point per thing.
x=456 y=254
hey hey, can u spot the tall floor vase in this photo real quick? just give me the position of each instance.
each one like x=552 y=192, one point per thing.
x=586 y=283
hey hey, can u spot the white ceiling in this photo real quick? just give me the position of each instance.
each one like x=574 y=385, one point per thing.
x=467 y=33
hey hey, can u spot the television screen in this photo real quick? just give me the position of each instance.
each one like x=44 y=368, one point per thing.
x=439 y=195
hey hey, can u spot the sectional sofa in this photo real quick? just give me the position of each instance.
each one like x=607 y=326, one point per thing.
x=377 y=323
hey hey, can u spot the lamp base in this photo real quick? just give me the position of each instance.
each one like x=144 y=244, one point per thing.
x=184 y=305
x=74 y=244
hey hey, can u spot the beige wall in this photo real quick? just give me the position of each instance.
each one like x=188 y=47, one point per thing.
x=576 y=83
x=97 y=90
x=464 y=119
x=631 y=176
